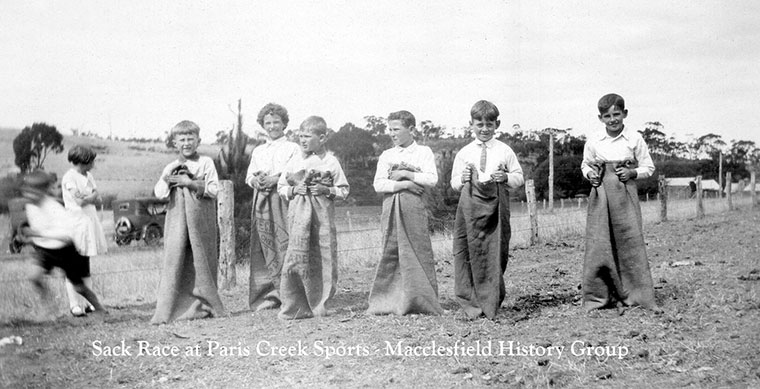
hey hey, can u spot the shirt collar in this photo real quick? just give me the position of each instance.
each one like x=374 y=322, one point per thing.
x=623 y=133
x=408 y=149
x=488 y=143
x=281 y=139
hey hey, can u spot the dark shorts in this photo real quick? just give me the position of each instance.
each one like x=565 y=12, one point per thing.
x=75 y=265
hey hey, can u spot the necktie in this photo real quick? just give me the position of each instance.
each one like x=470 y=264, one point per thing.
x=483 y=157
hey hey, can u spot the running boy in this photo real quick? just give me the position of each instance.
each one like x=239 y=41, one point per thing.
x=188 y=289
x=311 y=181
x=482 y=172
x=615 y=267
x=269 y=229
x=405 y=278
x=50 y=233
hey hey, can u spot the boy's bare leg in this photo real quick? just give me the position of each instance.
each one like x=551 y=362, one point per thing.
x=90 y=296
x=39 y=284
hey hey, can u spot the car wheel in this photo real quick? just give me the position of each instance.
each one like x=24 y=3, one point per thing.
x=15 y=246
x=123 y=241
x=153 y=235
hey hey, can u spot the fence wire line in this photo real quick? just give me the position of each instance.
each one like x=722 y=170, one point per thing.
x=714 y=206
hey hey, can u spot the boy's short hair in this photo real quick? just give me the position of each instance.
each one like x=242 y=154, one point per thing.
x=610 y=100
x=315 y=124
x=273 y=109
x=37 y=180
x=81 y=155
x=185 y=127
x=406 y=117
x=484 y=110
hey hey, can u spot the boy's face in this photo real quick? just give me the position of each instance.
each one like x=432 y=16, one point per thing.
x=310 y=142
x=401 y=135
x=187 y=144
x=274 y=126
x=613 y=119
x=484 y=129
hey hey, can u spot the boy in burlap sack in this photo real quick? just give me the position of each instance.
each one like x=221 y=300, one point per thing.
x=269 y=229
x=188 y=286
x=482 y=172
x=405 y=279
x=311 y=181
x=615 y=266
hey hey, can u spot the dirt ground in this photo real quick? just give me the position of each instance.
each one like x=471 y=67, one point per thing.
x=706 y=276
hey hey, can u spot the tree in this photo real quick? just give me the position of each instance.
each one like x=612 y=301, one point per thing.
x=429 y=130
x=352 y=144
x=376 y=125
x=655 y=139
x=33 y=145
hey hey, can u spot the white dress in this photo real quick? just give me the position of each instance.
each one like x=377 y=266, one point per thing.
x=89 y=238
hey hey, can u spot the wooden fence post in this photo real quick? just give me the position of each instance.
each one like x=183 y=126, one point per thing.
x=752 y=187
x=350 y=223
x=530 y=193
x=226 y=221
x=729 y=200
x=663 y=196
x=700 y=206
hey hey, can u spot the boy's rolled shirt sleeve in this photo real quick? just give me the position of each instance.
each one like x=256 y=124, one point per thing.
x=382 y=183
x=588 y=159
x=340 y=188
x=251 y=172
x=514 y=171
x=283 y=188
x=161 y=189
x=456 y=173
x=211 y=180
x=644 y=159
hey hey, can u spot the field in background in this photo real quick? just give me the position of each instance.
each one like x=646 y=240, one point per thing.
x=129 y=275
x=122 y=169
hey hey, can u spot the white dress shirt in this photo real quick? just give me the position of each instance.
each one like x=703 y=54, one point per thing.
x=271 y=158
x=627 y=145
x=324 y=163
x=415 y=155
x=202 y=169
x=498 y=154
x=50 y=218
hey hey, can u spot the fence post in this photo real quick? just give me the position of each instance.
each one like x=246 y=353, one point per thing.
x=752 y=187
x=700 y=206
x=226 y=221
x=530 y=193
x=662 y=194
x=561 y=203
x=729 y=200
x=350 y=223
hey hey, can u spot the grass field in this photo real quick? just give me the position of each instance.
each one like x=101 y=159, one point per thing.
x=706 y=276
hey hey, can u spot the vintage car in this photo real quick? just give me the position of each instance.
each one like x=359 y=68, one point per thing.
x=17 y=212
x=140 y=218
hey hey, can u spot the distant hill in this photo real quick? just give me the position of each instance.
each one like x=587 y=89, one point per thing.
x=122 y=169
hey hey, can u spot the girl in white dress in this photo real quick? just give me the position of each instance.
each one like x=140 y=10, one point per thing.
x=80 y=195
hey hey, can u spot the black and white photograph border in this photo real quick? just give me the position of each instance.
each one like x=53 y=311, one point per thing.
x=116 y=77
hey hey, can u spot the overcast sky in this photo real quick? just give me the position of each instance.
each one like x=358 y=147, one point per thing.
x=135 y=68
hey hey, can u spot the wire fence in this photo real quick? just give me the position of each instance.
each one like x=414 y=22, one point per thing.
x=360 y=236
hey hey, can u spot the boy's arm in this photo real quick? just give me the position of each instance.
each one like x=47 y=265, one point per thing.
x=252 y=169
x=161 y=189
x=456 y=172
x=588 y=159
x=283 y=188
x=644 y=159
x=208 y=186
x=514 y=170
x=382 y=183
x=428 y=177
x=340 y=187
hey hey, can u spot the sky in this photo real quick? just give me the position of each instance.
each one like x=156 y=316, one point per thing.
x=136 y=68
